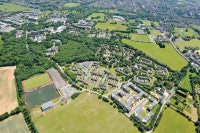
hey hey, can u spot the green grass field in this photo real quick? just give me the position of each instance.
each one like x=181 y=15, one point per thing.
x=71 y=4
x=165 y=55
x=85 y=114
x=41 y=95
x=110 y=26
x=14 y=124
x=155 y=32
x=148 y=23
x=184 y=33
x=1 y=43
x=97 y=17
x=185 y=83
x=11 y=7
x=140 y=38
x=192 y=43
x=36 y=81
x=173 y=122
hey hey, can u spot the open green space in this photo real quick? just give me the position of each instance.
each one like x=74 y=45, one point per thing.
x=139 y=38
x=155 y=32
x=111 y=25
x=166 y=55
x=173 y=122
x=14 y=124
x=1 y=43
x=148 y=23
x=185 y=32
x=87 y=114
x=97 y=17
x=41 y=95
x=194 y=43
x=185 y=83
x=11 y=7
x=71 y=4
x=36 y=81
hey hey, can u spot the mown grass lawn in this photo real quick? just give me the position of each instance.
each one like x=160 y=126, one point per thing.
x=148 y=23
x=71 y=4
x=155 y=32
x=173 y=122
x=165 y=55
x=85 y=114
x=11 y=7
x=111 y=25
x=36 y=81
x=140 y=38
x=185 y=83
x=195 y=43
x=97 y=17
x=183 y=32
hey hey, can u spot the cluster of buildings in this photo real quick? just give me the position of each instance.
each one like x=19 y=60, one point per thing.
x=94 y=77
x=84 y=24
x=136 y=101
x=194 y=57
x=5 y=27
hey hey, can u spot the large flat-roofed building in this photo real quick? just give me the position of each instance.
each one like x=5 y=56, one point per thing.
x=47 y=105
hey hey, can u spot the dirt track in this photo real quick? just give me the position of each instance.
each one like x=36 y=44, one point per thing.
x=8 y=96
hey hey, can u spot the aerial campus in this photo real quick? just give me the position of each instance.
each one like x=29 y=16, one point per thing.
x=90 y=66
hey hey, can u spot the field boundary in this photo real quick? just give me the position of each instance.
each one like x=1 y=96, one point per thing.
x=25 y=90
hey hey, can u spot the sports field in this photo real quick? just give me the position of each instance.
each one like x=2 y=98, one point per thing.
x=14 y=124
x=185 y=83
x=97 y=17
x=41 y=95
x=165 y=55
x=8 y=96
x=111 y=25
x=36 y=81
x=140 y=38
x=183 y=32
x=85 y=114
x=173 y=122
x=72 y=4
x=11 y=7
x=195 y=43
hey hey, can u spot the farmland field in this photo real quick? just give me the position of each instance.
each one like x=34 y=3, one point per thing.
x=88 y=114
x=8 y=96
x=192 y=43
x=36 y=81
x=148 y=23
x=11 y=7
x=14 y=124
x=185 y=83
x=140 y=38
x=155 y=32
x=72 y=4
x=111 y=25
x=173 y=122
x=183 y=32
x=41 y=95
x=165 y=55
x=97 y=17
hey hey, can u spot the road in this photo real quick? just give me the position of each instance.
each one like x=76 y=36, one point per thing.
x=173 y=45
x=163 y=105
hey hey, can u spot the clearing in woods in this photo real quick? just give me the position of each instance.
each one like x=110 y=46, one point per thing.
x=14 y=124
x=8 y=96
x=88 y=113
